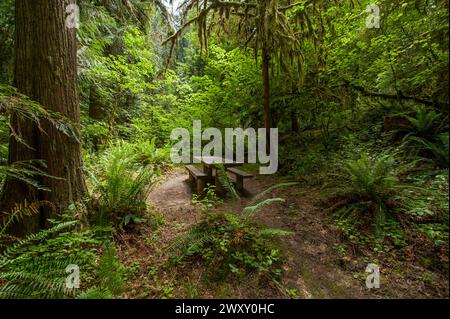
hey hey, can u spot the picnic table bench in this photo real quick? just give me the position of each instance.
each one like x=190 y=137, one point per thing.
x=209 y=173
x=240 y=176
x=198 y=177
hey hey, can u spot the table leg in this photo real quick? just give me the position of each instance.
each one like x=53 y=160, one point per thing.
x=239 y=183
x=208 y=170
x=200 y=186
x=220 y=190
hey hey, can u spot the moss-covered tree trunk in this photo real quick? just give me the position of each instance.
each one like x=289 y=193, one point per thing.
x=266 y=91
x=45 y=70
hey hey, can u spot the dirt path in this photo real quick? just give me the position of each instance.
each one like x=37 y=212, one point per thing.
x=173 y=197
x=307 y=269
x=312 y=264
x=318 y=263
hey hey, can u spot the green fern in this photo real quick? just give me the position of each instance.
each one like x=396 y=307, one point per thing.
x=425 y=124
x=368 y=189
x=186 y=246
x=122 y=183
x=258 y=197
x=231 y=243
x=96 y=293
x=27 y=172
x=22 y=244
x=24 y=273
x=439 y=149
x=251 y=210
x=226 y=182
x=13 y=102
x=427 y=136
x=109 y=271
x=19 y=212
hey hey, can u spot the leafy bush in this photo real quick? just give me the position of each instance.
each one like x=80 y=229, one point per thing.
x=231 y=244
x=95 y=134
x=207 y=201
x=305 y=166
x=148 y=154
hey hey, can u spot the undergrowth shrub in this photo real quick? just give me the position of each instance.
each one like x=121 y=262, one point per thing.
x=232 y=244
x=38 y=266
x=122 y=185
x=368 y=194
x=427 y=136
x=148 y=154
x=228 y=244
x=35 y=267
x=208 y=200
x=429 y=211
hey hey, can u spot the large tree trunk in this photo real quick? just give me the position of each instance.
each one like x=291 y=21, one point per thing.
x=45 y=70
x=266 y=92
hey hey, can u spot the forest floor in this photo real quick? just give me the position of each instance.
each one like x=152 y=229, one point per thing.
x=317 y=261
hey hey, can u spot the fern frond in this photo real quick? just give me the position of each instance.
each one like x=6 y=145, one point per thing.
x=6 y=256
x=21 y=211
x=189 y=244
x=225 y=181
x=270 y=189
x=95 y=293
x=13 y=102
x=108 y=271
x=251 y=210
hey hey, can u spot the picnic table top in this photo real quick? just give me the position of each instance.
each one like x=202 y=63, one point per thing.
x=213 y=160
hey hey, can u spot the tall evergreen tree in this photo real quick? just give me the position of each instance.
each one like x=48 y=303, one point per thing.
x=45 y=71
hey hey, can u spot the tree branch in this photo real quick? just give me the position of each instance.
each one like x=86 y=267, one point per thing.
x=397 y=96
x=294 y=5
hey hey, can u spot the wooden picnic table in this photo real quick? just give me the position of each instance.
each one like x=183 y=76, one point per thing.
x=210 y=163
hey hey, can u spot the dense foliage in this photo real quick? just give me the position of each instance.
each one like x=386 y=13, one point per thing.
x=362 y=114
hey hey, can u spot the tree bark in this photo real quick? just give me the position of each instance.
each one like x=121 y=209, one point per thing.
x=399 y=95
x=45 y=70
x=266 y=92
